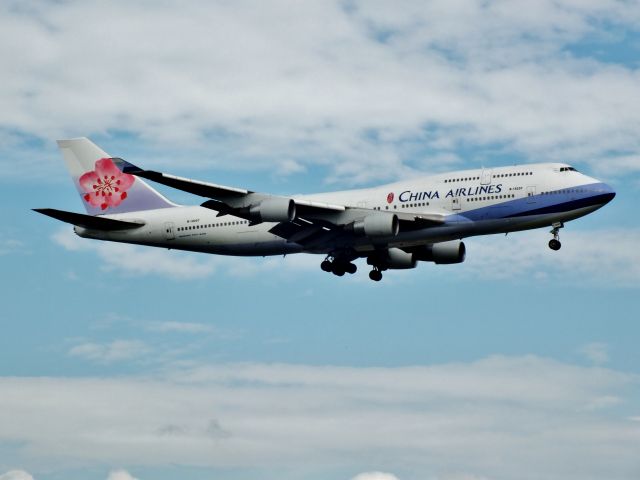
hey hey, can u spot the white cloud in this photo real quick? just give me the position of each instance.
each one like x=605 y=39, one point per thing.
x=180 y=327
x=121 y=475
x=520 y=255
x=428 y=421
x=360 y=87
x=606 y=401
x=9 y=245
x=375 y=476
x=596 y=257
x=137 y=261
x=133 y=260
x=115 y=351
x=16 y=475
x=596 y=352
x=460 y=476
x=22 y=475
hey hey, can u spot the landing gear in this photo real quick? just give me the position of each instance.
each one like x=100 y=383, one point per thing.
x=338 y=266
x=338 y=269
x=554 y=243
x=375 y=275
x=378 y=265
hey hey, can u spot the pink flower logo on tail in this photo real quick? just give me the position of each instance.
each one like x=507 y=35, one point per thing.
x=106 y=186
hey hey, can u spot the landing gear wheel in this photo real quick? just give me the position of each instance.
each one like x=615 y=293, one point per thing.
x=375 y=275
x=554 y=243
x=338 y=269
x=326 y=266
x=351 y=268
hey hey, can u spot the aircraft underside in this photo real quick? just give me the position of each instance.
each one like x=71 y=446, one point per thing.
x=407 y=248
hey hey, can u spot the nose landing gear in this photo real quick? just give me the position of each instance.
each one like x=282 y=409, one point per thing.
x=554 y=243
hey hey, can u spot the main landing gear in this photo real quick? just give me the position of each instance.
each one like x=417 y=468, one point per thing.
x=338 y=266
x=375 y=275
x=554 y=243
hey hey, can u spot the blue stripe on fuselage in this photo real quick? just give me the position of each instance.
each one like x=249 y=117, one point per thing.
x=563 y=200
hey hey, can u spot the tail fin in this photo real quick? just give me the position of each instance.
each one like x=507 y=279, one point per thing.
x=102 y=186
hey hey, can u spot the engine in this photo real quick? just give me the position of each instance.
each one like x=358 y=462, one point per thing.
x=453 y=251
x=377 y=225
x=393 y=258
x=399 y=259
x=274 y=210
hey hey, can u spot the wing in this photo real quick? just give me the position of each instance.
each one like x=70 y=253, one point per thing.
x=252 y=206
x=297 y=220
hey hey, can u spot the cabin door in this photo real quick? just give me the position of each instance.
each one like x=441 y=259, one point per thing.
x=485 y=179
x=531 y=194
x=169 y=231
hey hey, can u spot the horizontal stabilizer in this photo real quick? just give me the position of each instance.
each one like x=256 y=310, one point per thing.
x=88 y=221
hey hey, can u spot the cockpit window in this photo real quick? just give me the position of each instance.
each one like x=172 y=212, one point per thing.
x=568 y=169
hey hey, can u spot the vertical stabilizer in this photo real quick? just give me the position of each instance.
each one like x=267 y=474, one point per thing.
x=102 y=186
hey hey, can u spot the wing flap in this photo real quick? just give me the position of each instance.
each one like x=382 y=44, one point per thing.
x=304 y=233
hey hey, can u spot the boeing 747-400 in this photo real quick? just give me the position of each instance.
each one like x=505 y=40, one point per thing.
x=393 y=226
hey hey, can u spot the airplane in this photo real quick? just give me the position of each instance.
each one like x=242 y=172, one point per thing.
x=393 y=226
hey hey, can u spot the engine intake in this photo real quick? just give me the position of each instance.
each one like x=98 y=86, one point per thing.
x=443 y=253
x=377 y=225
x=274 y=210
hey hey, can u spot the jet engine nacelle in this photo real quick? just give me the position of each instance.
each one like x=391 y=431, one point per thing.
x=441 y=253
x=377 y=225
x=274 y=210
x=393 y=258
x=399 y=259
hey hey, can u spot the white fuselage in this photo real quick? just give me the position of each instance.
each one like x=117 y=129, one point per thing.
x=474 y=202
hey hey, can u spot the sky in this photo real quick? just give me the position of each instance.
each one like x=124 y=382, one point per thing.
x=120 y=362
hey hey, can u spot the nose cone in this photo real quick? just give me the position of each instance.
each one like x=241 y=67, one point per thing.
x=607 y=194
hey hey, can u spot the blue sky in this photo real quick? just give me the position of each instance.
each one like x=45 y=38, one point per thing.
x=120 y=362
